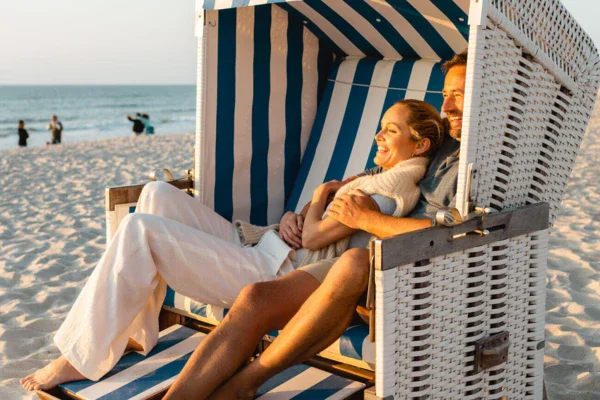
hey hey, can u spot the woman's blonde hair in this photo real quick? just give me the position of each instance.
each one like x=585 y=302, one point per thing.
x=424 y=122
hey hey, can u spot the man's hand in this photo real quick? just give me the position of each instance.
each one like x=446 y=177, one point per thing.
x=352 y=209
x=290 y=229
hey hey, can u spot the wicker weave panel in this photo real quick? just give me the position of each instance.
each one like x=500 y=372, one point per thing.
x=545 y=28
x=428 y=322
x=527 y=129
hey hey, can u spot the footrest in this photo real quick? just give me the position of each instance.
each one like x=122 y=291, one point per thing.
x=143 y=377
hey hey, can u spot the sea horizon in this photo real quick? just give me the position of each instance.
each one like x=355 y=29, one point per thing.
x=93 y=111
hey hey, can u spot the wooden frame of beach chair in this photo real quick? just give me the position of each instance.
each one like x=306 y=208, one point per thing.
x=446 y=301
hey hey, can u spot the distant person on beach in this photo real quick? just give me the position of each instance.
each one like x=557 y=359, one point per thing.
x=145 y=118
x=56 y=127
x=23 y=135
x=138 y=124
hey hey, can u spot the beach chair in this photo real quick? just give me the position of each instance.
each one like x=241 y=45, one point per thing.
x=290 y=94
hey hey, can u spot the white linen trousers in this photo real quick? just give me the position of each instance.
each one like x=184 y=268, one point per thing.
x=172 y=239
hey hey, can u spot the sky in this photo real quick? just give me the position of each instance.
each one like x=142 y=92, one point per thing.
x=123 y=41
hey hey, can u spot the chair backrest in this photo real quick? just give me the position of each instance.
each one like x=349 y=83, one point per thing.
x=357 y=94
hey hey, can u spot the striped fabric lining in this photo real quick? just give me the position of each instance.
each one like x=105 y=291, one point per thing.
x=429 y=29
x=139 y=377
x=357 y=94
x=353 y=348
x=263 y=109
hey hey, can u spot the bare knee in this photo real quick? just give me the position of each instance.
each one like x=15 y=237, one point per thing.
x=350 y=274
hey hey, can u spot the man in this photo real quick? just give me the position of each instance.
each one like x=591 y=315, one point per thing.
x=315 y=316
x=56 y=127
x=138 y=124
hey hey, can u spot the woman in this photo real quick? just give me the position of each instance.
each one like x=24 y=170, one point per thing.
x=200 y=255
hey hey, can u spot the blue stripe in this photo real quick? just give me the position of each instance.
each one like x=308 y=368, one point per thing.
x=324 y=389
x=131 y=359
x=423 y=27
x=209 y=5
x=436 y=84
x=454 y=14
x=281 y=378
x=149 y=380
x=399 y=79
x=198 y=308
x=311 y=26
x=259 y=168
x=311 y=147
x=226 y=81
x=352 y=340
x=169 y=298
x=384 y=27
x=351 y=121
x=293 y=104
x=132 y=209
x=346 y=29
x=325 y=68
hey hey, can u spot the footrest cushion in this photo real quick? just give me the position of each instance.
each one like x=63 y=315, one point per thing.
x=141 y=377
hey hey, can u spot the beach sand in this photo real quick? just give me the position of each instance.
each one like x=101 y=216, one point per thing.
x=52 y=234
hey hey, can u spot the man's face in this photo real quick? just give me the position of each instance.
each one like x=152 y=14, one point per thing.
x=454 y=97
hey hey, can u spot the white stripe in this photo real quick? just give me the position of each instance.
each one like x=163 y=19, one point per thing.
x=331 y=130
x=207 y=169
x=369 y=122
x=180 y=302
x=277 y=128
x=223 y=4
x=347 y=391
x=170 y=329
x=155 y=389
x=329 y=29
x=242 y=147
x=296 y=385
x=368 y=351
x=310 y=84
x=410 y=34
x=365 y=28
x=419 y=79
x=441 y=24
x=142 y=368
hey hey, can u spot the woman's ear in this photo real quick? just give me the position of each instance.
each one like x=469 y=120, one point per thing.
x=422 y=146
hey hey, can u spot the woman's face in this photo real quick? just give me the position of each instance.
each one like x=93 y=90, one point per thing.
x=394 y=143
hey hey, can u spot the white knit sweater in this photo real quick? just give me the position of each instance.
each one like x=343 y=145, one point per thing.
x=399 y=183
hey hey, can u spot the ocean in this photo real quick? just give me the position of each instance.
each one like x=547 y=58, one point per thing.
x=93 y=112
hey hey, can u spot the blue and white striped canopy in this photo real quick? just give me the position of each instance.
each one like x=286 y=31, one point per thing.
x=396 y=29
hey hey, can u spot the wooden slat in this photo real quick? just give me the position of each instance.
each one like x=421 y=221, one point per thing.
x=433 y=242
x=130 y=194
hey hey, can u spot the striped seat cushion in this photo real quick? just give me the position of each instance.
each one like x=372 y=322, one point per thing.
x=141 y=377
x=353 y=348
x=357 y=94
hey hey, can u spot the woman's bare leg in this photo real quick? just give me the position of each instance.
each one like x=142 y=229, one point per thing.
x=259 y=309
x=321 y=320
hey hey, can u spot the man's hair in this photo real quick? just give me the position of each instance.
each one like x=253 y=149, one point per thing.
x=21 y=122
x=459 y=60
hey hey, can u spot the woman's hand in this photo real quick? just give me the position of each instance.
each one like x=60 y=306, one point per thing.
x=290 y=229
x=353 y=209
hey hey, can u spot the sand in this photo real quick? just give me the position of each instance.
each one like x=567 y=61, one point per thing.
x=52 y=234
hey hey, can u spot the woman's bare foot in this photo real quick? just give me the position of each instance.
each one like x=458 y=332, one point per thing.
x=57 y=372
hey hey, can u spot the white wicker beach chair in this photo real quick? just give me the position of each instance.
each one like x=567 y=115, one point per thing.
x=287 y=89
